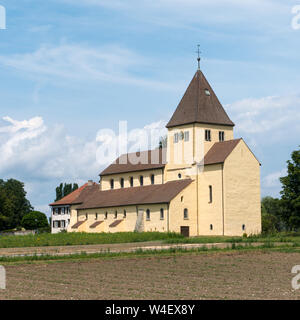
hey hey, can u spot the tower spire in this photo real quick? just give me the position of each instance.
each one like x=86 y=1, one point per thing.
x=199 y=58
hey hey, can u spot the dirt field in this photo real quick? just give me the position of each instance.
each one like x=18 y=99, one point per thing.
x=236 y=275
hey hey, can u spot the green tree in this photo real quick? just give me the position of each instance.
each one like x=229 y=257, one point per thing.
x=290 y=194
x=34 y=220
x=64 y=189
x=272 y=211
x=13 y=203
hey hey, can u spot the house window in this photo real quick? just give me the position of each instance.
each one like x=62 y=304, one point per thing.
x=62 y=210
x=58 y=224
x=69 y=210
x=56 y=210
x=211 y=227
x=68 y=221
x=162 y=215
x=221 y=136
x=141 y=180
x=210 y=194
x=112 y=183
x=152 y=178
x=148 y=214
x=131 y=181
x=175 y=137
x=186 y=136
x=122 y=182
x=105 y=215
x=185 y=213
x=207 y=135
x=124 y=214
x=63 y=223
x=181 y=135
x=116 y=214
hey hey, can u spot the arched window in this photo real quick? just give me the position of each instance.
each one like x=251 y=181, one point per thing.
x=148 y=214
x=162 y=214
x=179 y=175
x=152 y=178
x=131 y=181
x=122 y=182
x=185 y=213
x=112 y=183
x=210 y=194
x=141 y=180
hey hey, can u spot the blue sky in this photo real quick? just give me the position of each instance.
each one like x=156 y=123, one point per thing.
x=70 y=68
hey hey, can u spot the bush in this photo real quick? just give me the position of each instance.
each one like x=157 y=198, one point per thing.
x=34 y=220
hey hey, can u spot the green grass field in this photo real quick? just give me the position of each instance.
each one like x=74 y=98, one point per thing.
x=67 y=239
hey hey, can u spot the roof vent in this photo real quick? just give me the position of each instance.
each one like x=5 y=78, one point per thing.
x=207 y=92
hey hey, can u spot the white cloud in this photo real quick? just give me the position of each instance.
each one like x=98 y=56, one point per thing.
x=268 y=114
x=82 y=63
x=272 y=179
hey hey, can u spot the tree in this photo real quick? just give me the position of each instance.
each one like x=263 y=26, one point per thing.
x=64 y=189
x=271 y=210
x=13 y=203
x=34 y=220
x=290 y=194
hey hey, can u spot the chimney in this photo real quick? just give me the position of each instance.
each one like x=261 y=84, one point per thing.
x=90 y=182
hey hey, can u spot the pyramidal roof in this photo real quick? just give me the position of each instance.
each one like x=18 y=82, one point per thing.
x=199 y=105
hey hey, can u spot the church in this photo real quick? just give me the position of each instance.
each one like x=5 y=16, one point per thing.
x=204 y=182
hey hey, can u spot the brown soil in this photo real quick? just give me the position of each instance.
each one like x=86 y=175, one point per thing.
x=234 y=275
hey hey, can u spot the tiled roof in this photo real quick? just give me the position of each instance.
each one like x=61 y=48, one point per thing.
x=220 y=151
x=158 y=193
x=77 y=224
x=115 y=223
x=137 y=161
x=77 y=196
x=95 y=224
x=199 y=105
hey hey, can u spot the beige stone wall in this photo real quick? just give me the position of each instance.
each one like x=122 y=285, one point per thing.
x=128 y=224
x=185 y=199
x=158 y=179
x=210 y=213
x=242 y=192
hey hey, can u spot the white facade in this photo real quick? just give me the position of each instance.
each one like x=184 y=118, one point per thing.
x=60 y=218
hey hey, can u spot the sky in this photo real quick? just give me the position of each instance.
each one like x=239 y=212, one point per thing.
x=70 y=69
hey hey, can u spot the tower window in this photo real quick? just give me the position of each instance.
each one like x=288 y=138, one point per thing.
x=185 y=214
x=152 y=178
x=96 y=216
x=116 y=214
x=243 y=227
x=179 y=175
x=148 y=214
x=207 y=92
x=186 y=136
x=112 y=183
x=207 y=135
x=211 y=227
x=221 y=136
x=210 y=194
x=122 y=182
x=131 y=181
x=175 y=137
x=141 y=180
x=161 y=214
x=105 y=215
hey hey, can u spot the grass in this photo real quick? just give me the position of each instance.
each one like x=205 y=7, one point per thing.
x=66 y=239
x=268 y=246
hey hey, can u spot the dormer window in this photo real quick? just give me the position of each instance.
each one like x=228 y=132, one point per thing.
x=207 y=135
x=221 y=135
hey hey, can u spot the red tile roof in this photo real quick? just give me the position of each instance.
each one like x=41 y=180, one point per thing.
x=157 y=193
x=137 y=161
x=76 y=196
x=198 y=107
x=220 y=151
